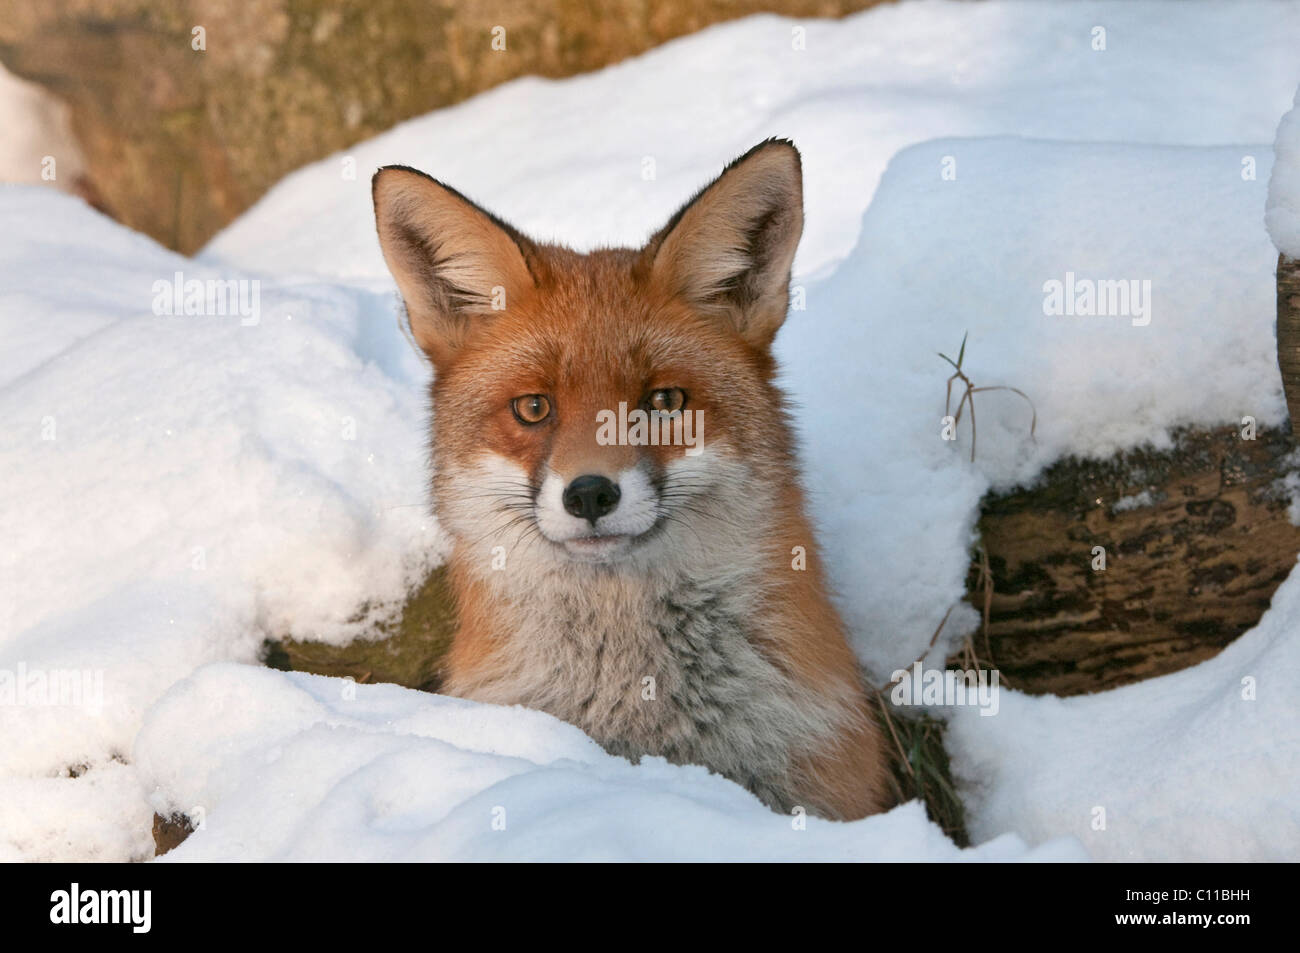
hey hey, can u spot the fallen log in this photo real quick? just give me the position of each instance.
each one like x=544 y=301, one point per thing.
x=1288 y=334
x=1108 y=572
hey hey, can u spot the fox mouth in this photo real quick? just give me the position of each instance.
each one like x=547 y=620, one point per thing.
x=599 y=547
x=603 y=547
x=591 y=528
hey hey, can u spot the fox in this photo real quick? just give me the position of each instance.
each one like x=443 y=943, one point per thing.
x=667 y=599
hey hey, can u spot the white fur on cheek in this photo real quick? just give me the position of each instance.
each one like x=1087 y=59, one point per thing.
x=724 y=479
x=638 y=506
x=473 y=498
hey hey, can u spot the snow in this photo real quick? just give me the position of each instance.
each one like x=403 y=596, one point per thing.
x=318 y=769
x=990 y=242
x=1282 y=214
x=180 y=487
x=177 y=488
x=1134 y=502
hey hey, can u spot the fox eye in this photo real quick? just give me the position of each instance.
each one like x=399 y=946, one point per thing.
x=668 y=400
x=531 y=408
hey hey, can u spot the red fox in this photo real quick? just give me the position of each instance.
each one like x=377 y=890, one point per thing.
x=649 y=574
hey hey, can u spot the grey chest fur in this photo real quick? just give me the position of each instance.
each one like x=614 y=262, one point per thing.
x=675 y=673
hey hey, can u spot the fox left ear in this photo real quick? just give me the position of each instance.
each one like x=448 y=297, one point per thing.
x=454 y=262
x=729 y=250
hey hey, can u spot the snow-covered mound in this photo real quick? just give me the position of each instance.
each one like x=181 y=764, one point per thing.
x=179 y=486
x=1283 y=211
x=267 y=453
x=309 y=768
x=176 y=488
x=568 y=160
x=939 y=258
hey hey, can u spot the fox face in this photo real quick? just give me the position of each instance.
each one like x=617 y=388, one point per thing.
x=586 y=427
x=613 y=463
x=606 y=407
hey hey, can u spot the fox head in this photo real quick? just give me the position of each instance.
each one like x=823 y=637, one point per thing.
x=606 y=408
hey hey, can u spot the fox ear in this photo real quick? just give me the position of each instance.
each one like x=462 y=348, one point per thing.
x=454 y=262
x=729 y=250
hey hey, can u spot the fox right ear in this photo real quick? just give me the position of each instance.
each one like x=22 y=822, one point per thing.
x=454 y=262
x=729 y=250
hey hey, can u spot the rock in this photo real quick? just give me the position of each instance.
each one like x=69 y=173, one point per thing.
x=409 y=652
x=179 y=141
x=170 y=832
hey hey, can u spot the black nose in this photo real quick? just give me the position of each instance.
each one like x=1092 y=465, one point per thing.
x=591 y=497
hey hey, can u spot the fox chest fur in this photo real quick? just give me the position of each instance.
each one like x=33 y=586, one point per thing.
x=674 y=669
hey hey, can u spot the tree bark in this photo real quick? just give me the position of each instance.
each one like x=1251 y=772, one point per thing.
x=1288 y=335
x=1196 y=539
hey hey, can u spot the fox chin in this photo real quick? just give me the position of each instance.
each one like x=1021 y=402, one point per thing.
x=614 y=465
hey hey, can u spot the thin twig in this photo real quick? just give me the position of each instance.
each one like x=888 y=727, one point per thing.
x=968 y=396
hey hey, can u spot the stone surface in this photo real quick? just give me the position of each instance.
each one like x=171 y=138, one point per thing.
x=180 y=141
x=410 y=654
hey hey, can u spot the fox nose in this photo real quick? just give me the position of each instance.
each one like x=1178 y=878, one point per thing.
x=591 y=497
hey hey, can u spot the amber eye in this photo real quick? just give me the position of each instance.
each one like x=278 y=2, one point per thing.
x=669 y=400
x=531 y=408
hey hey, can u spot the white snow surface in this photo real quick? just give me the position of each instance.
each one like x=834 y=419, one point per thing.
x=177 y=488
x=938 y=259
x=309 y=768
x=1282 y=214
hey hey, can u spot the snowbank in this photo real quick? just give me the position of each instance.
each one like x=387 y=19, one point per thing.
x=309 y=768
x=939 y=258
x=176 y=488
x=1184 y=767
x=1282 y=215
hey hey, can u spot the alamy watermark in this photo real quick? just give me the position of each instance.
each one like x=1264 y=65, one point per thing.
x=945 y=688
x=1120 y=297
x=133 y=908
x=653 y=428
x=60 y=687
x=209 y=297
